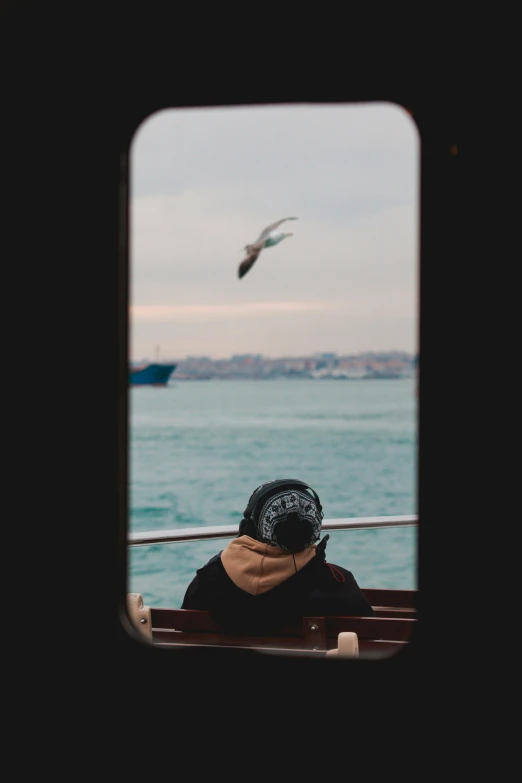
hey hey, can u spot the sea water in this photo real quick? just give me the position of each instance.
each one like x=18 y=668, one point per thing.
x=198 y=449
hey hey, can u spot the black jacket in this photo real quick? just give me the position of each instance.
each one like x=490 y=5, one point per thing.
x=252 y=586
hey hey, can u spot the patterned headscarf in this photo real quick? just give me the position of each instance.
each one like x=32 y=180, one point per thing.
x=276 y=508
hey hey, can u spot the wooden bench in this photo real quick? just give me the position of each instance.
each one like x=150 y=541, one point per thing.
x=379 y=636
x=392 y=603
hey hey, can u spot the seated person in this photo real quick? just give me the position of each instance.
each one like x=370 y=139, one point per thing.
x=275 y=571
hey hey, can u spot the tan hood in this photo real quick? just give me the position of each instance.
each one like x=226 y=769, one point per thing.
x=256 y=567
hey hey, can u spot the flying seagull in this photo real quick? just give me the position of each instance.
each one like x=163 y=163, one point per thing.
x=269 y=237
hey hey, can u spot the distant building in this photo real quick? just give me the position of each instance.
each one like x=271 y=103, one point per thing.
x=242 y=357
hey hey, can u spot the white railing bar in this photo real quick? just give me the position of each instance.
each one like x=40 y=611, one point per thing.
x=208 y=532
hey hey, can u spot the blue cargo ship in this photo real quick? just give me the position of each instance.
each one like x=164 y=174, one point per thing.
x=155 y=374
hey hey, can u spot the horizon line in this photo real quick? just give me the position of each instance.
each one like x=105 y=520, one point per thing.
x=315 y=355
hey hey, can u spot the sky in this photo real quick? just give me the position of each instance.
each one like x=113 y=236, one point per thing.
x=206 y=182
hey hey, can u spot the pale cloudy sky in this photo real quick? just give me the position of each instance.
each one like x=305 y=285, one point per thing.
x=206 y=182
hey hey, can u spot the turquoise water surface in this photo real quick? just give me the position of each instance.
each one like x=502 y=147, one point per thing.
x=199 y=448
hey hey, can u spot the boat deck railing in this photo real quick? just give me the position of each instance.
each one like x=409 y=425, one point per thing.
x=208 y=532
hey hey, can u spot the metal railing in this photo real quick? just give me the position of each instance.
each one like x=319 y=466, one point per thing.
x=208 y=532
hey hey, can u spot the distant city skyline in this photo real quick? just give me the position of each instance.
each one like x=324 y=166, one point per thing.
x=158 y=355
x=205 y=182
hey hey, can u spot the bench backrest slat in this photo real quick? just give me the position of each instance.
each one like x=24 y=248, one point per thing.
x=397 y=599
x=177 y=626
x=166 y=638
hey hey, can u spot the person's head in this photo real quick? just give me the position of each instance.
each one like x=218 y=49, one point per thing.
x=286 y=513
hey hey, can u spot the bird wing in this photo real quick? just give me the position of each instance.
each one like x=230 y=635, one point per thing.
x=247 y=263
x=264 y=234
